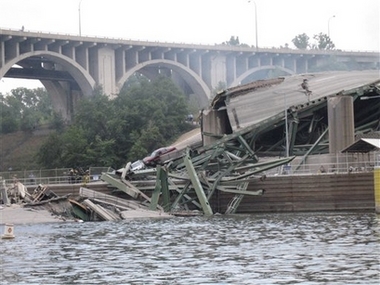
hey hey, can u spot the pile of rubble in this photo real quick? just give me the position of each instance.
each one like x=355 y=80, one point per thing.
x=89 y=206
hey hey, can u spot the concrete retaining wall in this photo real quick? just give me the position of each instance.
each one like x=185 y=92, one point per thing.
x=323 y=192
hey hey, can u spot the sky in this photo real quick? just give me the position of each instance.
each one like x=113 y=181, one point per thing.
x=353 y=25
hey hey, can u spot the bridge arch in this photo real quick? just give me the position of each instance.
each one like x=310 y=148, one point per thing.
x=63 y=98
x=244 y=75
x=198 y=86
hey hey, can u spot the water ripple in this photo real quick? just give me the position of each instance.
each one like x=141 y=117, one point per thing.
x=308 y=248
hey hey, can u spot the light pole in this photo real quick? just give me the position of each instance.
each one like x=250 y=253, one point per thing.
x=80 y=23
x=328 y=25
x=257 y=37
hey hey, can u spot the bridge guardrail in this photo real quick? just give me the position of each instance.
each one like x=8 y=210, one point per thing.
x=345 y=163
x=260 y=49
x=49 y=176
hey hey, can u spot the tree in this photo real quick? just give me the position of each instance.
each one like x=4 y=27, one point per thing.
x=233 y=41
x=93 y=115
x=323 y=42
x=9 y=122
x=301 y=41
x=107 y=132
x=50 y=153
x=25 y=108
x=155 y=109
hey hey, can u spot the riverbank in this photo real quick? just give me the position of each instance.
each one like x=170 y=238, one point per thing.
x=17 y=214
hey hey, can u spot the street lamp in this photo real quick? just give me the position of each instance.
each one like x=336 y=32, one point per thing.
x=328 y=25
x=80 y=24
x=257 y=41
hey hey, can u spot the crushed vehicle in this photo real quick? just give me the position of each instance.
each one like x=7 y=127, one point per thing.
x=155 y=157
x=137 y=165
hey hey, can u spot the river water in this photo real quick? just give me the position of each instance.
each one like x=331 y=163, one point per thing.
x=302 y=248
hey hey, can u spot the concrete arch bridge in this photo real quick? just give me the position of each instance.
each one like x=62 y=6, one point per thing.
x=73 y=66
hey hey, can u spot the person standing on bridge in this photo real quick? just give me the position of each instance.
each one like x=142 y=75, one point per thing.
x=305 y=86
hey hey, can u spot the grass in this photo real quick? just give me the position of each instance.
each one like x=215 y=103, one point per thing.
x=18 y=150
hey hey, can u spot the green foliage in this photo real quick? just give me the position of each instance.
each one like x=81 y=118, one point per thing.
x=9 y=121
x=323 y=42
x=152 y=113
x=29 y=120
x=234 y=42
x=144 y=116
x=50 y=153
x=57 y=123
x=25 y=109
x=193 y=105
x=301 y=41
x=93 y=116
x=73 y=149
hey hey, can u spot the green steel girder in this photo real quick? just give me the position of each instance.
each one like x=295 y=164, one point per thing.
x=261 y=169
x=264 y=165
x=235 y=202
x=197 y=186
x=156 y=191
x=160 y=187
x=247 y=148
x=221 y=175
x=311 y=149
x=165 y=190
x=183 y=196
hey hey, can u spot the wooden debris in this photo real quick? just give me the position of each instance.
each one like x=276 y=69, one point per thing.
x=38 y=193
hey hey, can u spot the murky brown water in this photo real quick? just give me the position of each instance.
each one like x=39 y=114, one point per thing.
x=309 y=248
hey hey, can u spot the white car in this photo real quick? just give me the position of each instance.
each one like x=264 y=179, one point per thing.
x=137 y=165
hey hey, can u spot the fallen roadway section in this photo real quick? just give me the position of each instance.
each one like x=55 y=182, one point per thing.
x=187 y=184
x=241 y=134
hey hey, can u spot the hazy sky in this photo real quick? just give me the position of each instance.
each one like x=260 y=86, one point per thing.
x=356 y=25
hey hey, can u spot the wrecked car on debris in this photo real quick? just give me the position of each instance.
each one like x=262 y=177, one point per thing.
x=155 y=157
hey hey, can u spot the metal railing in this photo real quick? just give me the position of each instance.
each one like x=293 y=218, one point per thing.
x=340 y=163
x=50 y=176
x=318 y=164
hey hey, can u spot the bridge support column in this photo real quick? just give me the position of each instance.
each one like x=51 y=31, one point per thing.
x=104 y=70
x=218 y=71
x=341 y=122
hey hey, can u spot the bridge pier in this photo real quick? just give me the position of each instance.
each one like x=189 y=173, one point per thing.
x=104 y=70
x=340 y=111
